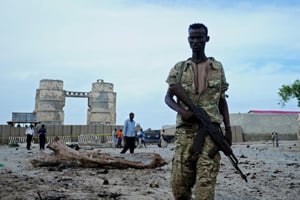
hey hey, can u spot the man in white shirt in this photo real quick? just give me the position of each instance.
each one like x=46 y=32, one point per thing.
x=29 y=133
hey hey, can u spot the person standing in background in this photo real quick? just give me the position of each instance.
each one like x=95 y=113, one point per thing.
x=277 y=139
x=142 y=141
x=114 y=137
x=119 y=138
x=29 y=134
x=129 y=134
x=273 y=139
x=42 y=137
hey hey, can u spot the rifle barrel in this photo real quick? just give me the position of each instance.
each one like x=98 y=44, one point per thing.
x=234 y=163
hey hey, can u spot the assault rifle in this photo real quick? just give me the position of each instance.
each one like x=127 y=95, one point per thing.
x=214 y=131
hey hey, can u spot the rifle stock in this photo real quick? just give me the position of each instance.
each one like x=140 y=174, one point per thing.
x=214 y=131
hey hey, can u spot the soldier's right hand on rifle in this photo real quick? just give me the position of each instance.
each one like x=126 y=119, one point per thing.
x=186 y=115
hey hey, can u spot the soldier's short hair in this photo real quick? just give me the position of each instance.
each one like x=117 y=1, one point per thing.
x=198 y=26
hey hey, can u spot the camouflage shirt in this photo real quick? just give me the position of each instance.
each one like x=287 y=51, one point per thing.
x=216 y=86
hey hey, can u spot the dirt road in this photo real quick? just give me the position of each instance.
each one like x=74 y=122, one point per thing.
x=273 y=173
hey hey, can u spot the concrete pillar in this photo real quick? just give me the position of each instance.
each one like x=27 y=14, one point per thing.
x=49 y=102
x=102 y=104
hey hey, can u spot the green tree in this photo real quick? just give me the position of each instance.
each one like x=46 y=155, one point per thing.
x=287 y=92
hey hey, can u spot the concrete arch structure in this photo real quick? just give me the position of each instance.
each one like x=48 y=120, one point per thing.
x=50 y=101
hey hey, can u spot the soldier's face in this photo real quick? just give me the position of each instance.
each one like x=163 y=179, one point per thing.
x=197 y=39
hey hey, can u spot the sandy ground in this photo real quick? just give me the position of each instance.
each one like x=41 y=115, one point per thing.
x=273 y=173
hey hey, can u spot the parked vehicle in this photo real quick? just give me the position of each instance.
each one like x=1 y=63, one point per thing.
x=152 y=136
x=168 y=133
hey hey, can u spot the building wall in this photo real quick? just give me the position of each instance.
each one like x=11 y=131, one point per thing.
x=237 y=135
x=72 y=131
x=246 y=127
x=260 y=126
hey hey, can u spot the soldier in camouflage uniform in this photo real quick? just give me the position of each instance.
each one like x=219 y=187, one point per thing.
x=204 y=81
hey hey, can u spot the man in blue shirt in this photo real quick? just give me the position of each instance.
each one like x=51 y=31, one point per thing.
x=129 y=134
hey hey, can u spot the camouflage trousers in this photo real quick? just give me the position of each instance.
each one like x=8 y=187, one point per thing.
x=190 y=170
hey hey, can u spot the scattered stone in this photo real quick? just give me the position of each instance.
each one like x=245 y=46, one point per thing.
x=277 y=171
x=55 y=196
x=253 y=177
x=105 y=182
x=292 y=185
x=103 y=171
x=293 y=164
x=154 y=185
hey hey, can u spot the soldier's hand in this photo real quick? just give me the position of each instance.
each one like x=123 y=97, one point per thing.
x=187 y=115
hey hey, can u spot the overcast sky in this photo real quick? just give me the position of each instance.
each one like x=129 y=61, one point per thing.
x=133 y=44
